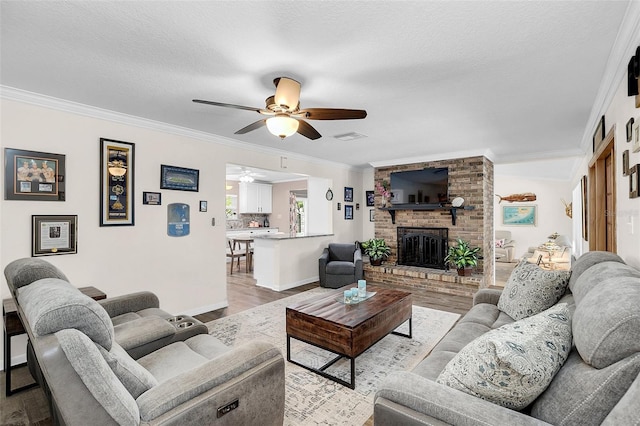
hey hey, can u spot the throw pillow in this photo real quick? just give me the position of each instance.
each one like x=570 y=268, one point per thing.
x=531 y=289
x=500 y=243
x=512 y=365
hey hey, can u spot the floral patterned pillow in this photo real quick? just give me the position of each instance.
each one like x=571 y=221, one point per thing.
x=531 y=289
x=500 y=243
x=512 y=365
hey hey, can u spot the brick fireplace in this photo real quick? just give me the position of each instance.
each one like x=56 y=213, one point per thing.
x=470 y=178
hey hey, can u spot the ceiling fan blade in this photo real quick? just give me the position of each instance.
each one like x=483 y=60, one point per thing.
x=306 y=130
x=332 y=114
x=220 y=104
x=287 y=93
x=252 y=126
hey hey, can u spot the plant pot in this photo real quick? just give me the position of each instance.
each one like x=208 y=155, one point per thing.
x=465 y=272
x=376 y=262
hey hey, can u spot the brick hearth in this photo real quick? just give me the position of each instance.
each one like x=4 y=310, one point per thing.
x=436 y=280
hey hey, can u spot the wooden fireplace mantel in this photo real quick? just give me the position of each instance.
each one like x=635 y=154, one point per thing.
x=425 y=207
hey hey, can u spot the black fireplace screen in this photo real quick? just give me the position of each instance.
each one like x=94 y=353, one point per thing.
x=423 y=247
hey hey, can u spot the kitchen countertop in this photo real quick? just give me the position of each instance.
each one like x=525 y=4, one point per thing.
x=284 y=236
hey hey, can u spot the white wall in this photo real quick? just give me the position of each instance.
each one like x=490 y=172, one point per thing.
x=627 y=213
x=188 y=274
x=551 y=210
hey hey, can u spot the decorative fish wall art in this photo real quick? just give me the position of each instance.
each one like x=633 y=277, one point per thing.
x=525 y=196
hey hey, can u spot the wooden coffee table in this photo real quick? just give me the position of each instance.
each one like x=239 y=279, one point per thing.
x=346 y=330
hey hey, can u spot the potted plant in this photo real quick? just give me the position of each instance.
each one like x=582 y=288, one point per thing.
x=377 y=250
x=462 y=256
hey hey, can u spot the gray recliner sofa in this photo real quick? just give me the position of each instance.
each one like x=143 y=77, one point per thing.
x=599 y=382
x=340 y=265
x=90 y=378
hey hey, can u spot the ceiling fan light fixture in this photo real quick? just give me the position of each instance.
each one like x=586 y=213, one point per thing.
x=287 y=93
x=282 y=125
x=246 y=179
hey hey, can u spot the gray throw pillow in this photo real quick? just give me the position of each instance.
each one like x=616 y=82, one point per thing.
x=531 y=289
x=513 y=364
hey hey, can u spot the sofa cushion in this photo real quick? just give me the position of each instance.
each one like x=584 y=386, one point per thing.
x=171 y=360
x=607 y=321
x=132 y=375
x=22 y=272
x=599 y=273
x=512 y=365
x=589 y=259
x=84 y=357
x=341 y=252
x=339 y=267
x=531 y=289
x=52 y=304
x=583 y=395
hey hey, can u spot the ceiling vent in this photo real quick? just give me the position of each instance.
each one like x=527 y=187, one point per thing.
x=350 y=136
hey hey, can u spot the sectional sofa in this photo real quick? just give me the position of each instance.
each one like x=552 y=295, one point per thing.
x=555 y=347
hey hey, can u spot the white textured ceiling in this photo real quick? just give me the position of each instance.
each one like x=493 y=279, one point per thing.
x=438 y=78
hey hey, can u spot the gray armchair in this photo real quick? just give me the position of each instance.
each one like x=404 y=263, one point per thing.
x=506 y=252
x=340 y=265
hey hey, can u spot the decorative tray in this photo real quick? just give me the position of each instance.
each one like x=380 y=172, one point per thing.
x=358 y=300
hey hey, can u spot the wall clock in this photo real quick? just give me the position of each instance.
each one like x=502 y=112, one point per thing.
x=329 y=194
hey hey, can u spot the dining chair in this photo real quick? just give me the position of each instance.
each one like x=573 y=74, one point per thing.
x=234 y=254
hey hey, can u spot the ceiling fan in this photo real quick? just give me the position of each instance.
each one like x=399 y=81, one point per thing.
x=284 y=114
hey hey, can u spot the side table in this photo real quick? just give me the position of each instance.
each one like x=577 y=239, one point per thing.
x=13 y=327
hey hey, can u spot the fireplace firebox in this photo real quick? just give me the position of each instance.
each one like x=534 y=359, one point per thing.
x=423 y=247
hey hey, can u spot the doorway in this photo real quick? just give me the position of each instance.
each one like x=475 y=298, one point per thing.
x=602 y=197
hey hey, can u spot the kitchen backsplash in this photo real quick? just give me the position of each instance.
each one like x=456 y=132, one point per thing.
x=245 y=221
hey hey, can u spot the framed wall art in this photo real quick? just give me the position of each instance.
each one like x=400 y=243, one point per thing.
x=51 y=235
x=625 y=163
x=117 y=171
x=348 y=194
x=348 y=212
x=599 y=134
x=634 y=181
x=372 y=217
x=519 y=215
x=585 y=218
x=370 y=198
x=635 y=137
x=33 y=175
x=203 y=206
x=179 y=178
x=152 y=198
x=629 y=128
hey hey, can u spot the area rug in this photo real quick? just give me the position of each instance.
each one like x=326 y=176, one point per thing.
x=310 y=398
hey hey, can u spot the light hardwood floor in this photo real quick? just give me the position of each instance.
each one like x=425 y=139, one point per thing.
x=30 y=407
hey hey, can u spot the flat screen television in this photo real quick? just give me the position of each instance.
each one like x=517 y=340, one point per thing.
x=425 y=186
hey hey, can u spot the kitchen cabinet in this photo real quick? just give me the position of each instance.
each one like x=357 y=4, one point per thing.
x=255 y=198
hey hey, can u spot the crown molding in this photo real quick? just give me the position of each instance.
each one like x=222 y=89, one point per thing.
x=435 y=157
x=19 y=95
x=623 y=49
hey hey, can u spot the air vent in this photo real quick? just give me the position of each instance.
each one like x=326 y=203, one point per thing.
x=350 y=136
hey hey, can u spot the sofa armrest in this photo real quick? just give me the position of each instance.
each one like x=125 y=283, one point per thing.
x=322 y=265
x=252 y=373
x=129 y=303
x=357 y=262
x=405 y=398
x=487 y=295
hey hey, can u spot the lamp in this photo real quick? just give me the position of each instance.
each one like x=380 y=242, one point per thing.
x=117 y=168
x=282 y=125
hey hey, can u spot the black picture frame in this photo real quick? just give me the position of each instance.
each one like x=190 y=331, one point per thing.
x=634 y=181
x=625 y=163
x=152 y=198
x=348 y=212
x=179 y=178
x=117 y=184
x=370 y=198
x=33 y=175
x=348 y=194
x=203 y=206
x=372 y=215
x=54 y=234
x=599 y=134
x=629 y=128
